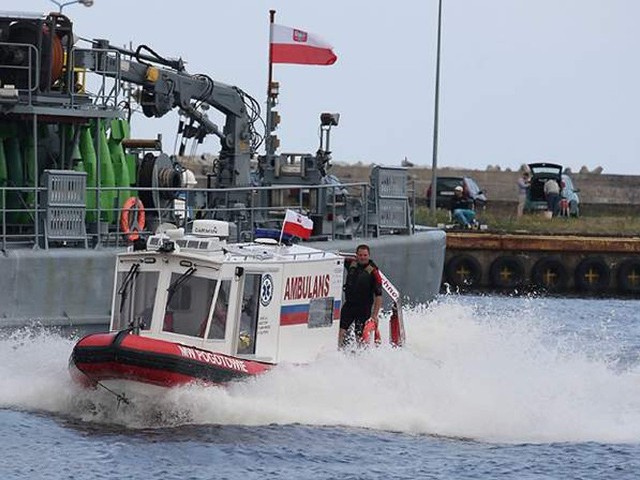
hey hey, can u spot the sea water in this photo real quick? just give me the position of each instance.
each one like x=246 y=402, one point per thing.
x=486 y=387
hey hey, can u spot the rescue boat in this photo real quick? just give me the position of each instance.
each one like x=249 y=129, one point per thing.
x=195 y=308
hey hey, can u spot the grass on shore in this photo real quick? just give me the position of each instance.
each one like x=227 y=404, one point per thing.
x=536 y=223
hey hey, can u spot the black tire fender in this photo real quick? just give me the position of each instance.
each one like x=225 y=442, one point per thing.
x=506 y=271
x=463 y=271
x=592 y=275
x=549 y=273
x=629 y=276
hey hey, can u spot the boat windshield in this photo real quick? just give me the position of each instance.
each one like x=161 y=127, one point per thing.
x=135 y=297
x=188 y=304
x=219 y=320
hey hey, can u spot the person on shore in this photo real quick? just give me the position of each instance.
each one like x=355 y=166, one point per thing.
x=552 y=194
x=362 y=293
x=523 y=189
x=462 y=208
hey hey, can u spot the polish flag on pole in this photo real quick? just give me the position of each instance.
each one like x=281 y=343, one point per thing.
x=297 y=224
x=290 y=45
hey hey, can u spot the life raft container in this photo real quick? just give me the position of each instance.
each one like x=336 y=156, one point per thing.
x=132 y=218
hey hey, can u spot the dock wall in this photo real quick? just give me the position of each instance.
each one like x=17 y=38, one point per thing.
x=556 y=263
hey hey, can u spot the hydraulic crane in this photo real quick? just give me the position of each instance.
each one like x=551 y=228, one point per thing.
x=166 y=85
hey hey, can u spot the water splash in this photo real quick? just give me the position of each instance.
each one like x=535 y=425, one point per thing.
x=493 y=370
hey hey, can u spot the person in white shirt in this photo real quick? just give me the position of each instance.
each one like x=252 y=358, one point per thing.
x=552 y=194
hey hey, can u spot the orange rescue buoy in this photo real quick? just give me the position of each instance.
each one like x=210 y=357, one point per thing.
x=132 y=218
x=369 y=328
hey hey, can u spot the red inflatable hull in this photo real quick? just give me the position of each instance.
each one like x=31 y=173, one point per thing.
x=123 y=356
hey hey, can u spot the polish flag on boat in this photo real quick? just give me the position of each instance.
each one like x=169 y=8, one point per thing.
x=290 y=45
x=297 y=224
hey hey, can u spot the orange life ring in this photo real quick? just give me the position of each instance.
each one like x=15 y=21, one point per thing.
x=369 y=328
x=132 y=218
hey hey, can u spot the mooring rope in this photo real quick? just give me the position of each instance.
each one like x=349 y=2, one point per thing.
x=121 y=397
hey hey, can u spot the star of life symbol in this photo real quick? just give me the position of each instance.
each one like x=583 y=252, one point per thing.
x=299 y=36
x=266 y=290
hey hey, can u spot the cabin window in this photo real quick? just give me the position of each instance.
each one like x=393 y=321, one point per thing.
x=219 y=318
x=320 y=312
x=249 y=314
x=188 y=304
x=135 y=298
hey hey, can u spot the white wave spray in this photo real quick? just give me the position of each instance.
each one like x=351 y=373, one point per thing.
x=505 y=377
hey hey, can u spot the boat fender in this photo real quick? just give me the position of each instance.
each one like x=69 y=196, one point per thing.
x=132 y=218
x=592 y=275
x=629 y=276
x=463 y=271
x=506 y=271
x=371 y=327
x=549 y=273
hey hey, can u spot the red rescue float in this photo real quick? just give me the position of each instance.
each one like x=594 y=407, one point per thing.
x=132 y=218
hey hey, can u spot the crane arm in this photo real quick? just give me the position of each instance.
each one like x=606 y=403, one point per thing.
x=169 y=86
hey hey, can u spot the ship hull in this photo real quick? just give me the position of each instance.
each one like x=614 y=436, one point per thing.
x=73 y=287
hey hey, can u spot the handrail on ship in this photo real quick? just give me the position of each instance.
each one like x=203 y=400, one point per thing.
x=21 y=225
x=107 y=83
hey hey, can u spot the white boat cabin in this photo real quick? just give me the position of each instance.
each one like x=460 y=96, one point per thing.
x=260 y=301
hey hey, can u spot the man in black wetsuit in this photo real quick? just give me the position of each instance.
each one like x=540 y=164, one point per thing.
x=362 y=293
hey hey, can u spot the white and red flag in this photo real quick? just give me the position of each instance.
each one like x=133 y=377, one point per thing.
x=297 y=224
x=290 y=45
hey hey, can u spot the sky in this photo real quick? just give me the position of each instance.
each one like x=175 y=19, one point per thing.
x=521 y=80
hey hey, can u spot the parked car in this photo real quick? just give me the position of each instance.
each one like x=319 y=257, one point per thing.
x=446 y=185
x=540 y=173
x=570 y=193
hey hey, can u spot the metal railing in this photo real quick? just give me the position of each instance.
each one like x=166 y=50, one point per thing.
x=105 y=83
x=31 y=70
x=24 y=210
x=104 y=89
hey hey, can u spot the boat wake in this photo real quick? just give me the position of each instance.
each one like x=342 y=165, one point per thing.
x=499 y=376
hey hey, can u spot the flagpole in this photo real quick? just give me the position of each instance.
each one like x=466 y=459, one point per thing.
x=436 y=105
x=268 y=144
x=281 y=233
x=282 y=229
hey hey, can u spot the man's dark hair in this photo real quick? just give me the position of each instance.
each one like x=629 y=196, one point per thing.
x=363 y=246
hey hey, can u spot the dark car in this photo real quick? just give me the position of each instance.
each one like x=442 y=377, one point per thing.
x=540 y=173
x=536 y=201
x=446 y=186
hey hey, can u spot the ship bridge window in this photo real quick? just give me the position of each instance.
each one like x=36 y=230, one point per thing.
x=219 y=318
x=188 y=305
x=135 y=298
